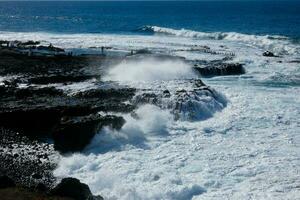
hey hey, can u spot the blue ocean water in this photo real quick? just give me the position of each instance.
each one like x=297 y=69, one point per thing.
x=250 y=17
x=248 y=149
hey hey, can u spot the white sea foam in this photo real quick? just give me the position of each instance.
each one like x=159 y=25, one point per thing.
x=276 y=43
x=204 y=35
x=250 y=150
x=189 y=103
x=186 y=40
x=149 y=122
x=247 y=150
x=150 y=69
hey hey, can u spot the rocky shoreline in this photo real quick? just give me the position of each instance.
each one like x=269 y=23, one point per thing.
x=39 y=120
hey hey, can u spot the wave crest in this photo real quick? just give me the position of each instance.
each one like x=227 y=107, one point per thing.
x=277 y=43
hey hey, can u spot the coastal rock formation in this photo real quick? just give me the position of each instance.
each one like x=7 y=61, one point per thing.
x=199 y=102
x=35 y=111
x=26 y=161
x=73 y=188
x=220 y=69
x=6 y=182
x=43 y=112
x=74 y=133
x=30 y=106
x=40 y=118
x=268 y=54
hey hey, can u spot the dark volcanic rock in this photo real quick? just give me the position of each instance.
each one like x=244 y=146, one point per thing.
x=6 y=182
x=73 y=134
x=38 y=111
x=220 y=69
x=31 y=121
x=32 y=113
x=268 y=54
x=72 y=187
x=11 y=63
x=187 y=104
x=23 y=193
x=59 y=78
x=24 y=160
x=124 y=93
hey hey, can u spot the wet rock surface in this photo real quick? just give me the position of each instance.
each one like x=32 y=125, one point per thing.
x=220 y=69
x=74 y=133
x=199 y=102
x=25 y=161
x=71 y=187
x=6 y=182
x=269 y=54
x=39 y=120
x=41 y=110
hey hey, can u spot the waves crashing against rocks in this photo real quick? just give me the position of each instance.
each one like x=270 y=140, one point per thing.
x=56 y=104
x=198 y=103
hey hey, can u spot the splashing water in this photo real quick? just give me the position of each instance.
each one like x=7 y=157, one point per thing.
x=150 y=69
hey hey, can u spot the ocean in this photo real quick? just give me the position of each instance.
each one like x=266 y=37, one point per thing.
x=246 y=145
x=250 y=17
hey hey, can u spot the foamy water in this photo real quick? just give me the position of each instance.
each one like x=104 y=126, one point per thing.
x=246 y=147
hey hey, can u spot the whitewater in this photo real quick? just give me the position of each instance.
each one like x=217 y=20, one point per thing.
x=244 y=145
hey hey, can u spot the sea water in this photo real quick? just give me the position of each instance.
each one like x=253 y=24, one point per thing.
x=245 y=145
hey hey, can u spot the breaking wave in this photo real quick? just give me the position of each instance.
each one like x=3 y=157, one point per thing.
x=272 y=42
x=206 y=35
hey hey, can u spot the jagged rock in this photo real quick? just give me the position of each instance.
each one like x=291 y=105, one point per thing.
x=41 y=187
x=73 y=188
x=31 y=114
x=122 y=93
x=221 y=69
x=29 y=168
x=58 y=78
x=30 y=42
x=11 y=63
x=33 y=122
x=187 y=104
x=268 y=54
x=143 y=51
x=38 y=111
x=6 y=182
x=166 y=93
x=74 y=133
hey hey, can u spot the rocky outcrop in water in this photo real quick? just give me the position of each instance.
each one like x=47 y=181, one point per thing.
x=199 y=102
x=220 y=69
x=47 y=112
x=73 y=188
x=74 y=133
x=38 y=119
x=36 y=109
x=269 y=54
x=67 y=189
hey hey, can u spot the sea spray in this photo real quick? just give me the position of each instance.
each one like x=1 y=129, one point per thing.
x=147 y=122
x=150 y=69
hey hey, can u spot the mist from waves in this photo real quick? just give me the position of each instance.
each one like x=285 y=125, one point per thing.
x=148 y=128
x=150 y=69
x=248 y=149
